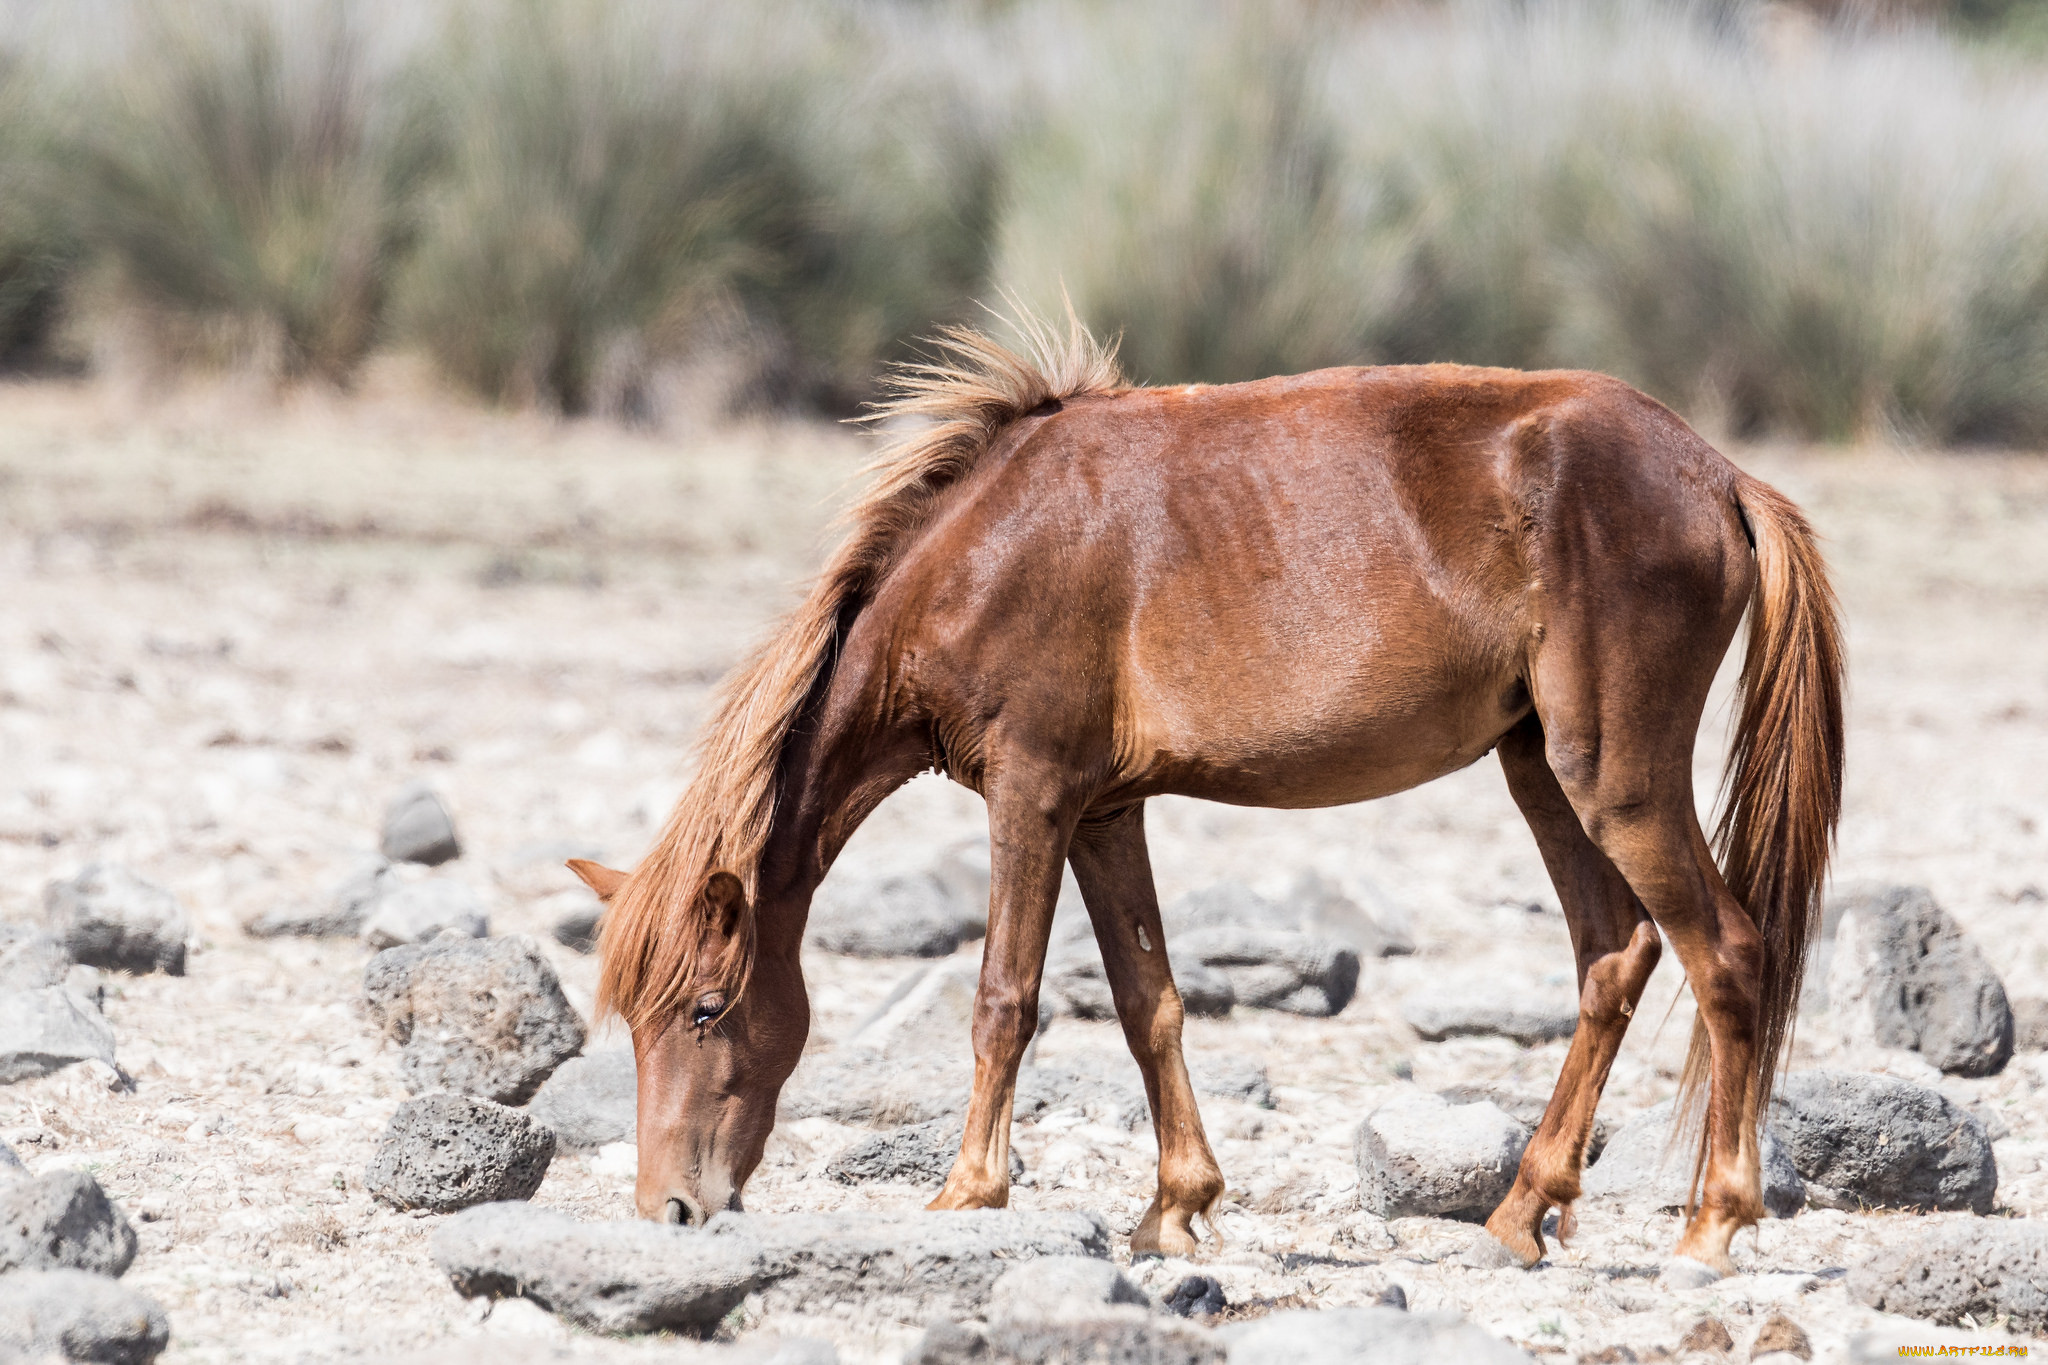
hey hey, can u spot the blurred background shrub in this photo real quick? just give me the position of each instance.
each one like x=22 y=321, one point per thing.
x=1824 y=221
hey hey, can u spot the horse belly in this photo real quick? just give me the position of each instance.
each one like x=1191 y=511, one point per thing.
x=1355 y=705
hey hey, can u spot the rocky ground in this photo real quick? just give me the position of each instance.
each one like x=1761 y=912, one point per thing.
x=235 y=629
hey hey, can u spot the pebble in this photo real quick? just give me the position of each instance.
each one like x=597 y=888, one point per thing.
x=1980 y=1267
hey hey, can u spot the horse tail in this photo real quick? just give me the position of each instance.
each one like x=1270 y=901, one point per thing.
x=956 y=402
x=1782 y=794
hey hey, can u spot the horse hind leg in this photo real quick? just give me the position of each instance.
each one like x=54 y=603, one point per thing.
x=1029 y=826
x=1617 y=949
x=1115 y=872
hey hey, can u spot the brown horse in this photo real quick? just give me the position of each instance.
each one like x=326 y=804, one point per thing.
x=1069 y=595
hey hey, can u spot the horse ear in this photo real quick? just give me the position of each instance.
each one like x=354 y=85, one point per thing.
x=605 y=881
x=726 y=896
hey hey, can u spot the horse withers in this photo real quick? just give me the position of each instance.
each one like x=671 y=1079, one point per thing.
x=1070 y=594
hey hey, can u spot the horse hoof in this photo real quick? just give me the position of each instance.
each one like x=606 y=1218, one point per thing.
x=1683 y=1272
x=1489 y=1252
x=1163 y=1241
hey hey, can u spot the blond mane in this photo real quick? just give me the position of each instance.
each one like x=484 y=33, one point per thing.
x=960 y=399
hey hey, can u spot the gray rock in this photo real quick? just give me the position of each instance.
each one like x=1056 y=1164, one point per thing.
x=1233 y=1077
x=1526 y=1108
x=1421 y=1155
x=47 y=1028
x=590 y=1100
x=1313 y=906
x=1438 y=1014
x=1986 y=1268
x=1364 y=1336
x=10 y=1164
x=1123 y=1336
x=1862 y=1140
x=1198 y=1296
x=440 y=906
x=920 y=1154
x=62 y=1221
x=1877 y=1141
x=1638 y=1168
x=1062 y=1289
x=108 y=917
x=477 y=1017
x=1077 y=985
x=74 y=1315
x=30 y=958
x=1278 y=969
x=448 y=1152
x=904 y=915
x=576 y=928
x=639 y=1276
x=1903 y=974
x=1104 y=1089
x=342 y=917
x=418 y=828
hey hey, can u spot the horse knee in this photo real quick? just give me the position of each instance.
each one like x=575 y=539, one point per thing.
x=1003 y=1023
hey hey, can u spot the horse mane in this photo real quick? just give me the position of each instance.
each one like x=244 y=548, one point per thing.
x=959 y=398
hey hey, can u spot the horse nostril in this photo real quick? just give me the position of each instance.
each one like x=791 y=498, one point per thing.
x=676 y=1212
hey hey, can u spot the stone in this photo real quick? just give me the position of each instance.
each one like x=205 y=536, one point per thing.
x=578 y=915
x=46 y=1028
x=1526 y=1108
x=1103 y=1089
x=1279 y=969
x=919 y=1154
x=62 y=1221
x=424 y=911
x=477 y=1017
x=1903 y=974
x=31 y=958
x=1780 y=1334
x=342 y=916
x=447 y=1152
x=637 y=1276
x=1062 y=1289
x=10 y=1164
x=901 y=915
x=1393 y=1296
x=1123 y=1336
x=590 y=1100
x=1468 y=1012
x=1640 y=1169
x=1076 y=984
x=418 y=828
x=1877 y=1141
x=108 y=917
x=75 y=1315
x=1985 y=1268
x=1200 y=1296
x=1312 y=905
x=1232 y=1077
x=1709 y=1335
x=1421 y=1155
x=1364 y=1336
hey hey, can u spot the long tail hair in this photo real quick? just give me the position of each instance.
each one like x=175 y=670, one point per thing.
x=959 y=399
x=1783 y=788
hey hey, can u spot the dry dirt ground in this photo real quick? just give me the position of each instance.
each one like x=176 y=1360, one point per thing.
x=232 y=627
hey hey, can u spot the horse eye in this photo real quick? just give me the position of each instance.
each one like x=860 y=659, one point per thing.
x=707 y=1009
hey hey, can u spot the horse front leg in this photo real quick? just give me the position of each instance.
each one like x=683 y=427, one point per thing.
x=1115 y=872
x=1031 y=819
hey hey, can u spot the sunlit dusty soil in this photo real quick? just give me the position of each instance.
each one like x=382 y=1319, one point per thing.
x=233 y=627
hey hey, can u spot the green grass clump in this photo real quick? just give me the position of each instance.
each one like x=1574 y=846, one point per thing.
x=240 y=171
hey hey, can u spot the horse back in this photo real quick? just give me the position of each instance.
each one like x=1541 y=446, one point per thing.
x=1299 y=591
